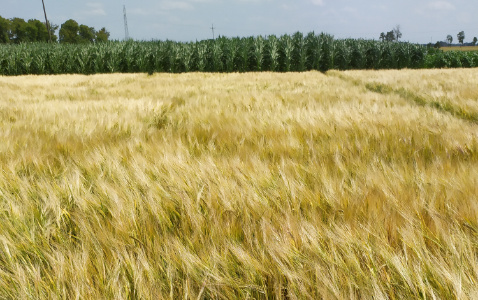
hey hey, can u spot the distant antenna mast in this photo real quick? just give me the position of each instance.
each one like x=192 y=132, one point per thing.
x=126 y=32
x=212 y=28
x=46 y=20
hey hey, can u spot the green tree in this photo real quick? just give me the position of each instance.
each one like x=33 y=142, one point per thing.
x=382 y=37
x=18 y=30
x=53 y=29
x=4 y=29
x=461 y=37
x=36 y=31
x=102 y=35
x=475 y=40
x=390 y=37
x=31 y=31
x=397 y=32
x=86 y=34
x=449 y=39
x=69 y=32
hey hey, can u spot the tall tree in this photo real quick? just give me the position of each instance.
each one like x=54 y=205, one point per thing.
x=390 y=37
x=4 y=29
x=69 y=32
x=17 y=32
x=475 y=40
x=102 y=35
x=449 y=39
x=86 y=34
x=382 y=37
x=461 y=37
x=31 y=31
x=397 y=32
x=53 y=28
x=37 y=31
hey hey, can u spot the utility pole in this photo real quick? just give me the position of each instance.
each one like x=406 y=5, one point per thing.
x=46 y=20
x=126 y=31
x=212 y=28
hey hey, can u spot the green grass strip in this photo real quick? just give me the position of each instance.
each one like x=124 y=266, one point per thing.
x=384 y=89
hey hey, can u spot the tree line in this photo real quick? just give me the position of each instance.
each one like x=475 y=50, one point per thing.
x=393 y=35
x=461 y=38
x=17 y=30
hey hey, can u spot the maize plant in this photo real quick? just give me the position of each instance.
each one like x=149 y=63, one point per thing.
x=201 y=49
x=217 y=53
x=161 y=57
x=11 y=58
x=273 y=53
x=402 y=56
x=287 y=47
x=39 y=57
x=326 y=48
x=259 y=52
x=387 y=57
x=357 y=54
x=112 y=58
x=187 y=56
x=372 y=55
x=230 y=53
x=417 y=57
x=341 y=55
x=279 y=54
x=312 y=51
x=245 y=47
x=299 y=53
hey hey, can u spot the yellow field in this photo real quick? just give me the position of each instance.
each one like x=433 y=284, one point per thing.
x=345 y=185
x=464 y=48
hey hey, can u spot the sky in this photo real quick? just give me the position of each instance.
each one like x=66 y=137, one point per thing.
x=421 y=21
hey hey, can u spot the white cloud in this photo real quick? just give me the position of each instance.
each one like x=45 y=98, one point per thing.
x=350 y=9
x=95 y=9
x=139 y=11
x=318 y=2
x=163 y=7
x=176 y=5
x=253 y=1
x=441 y=5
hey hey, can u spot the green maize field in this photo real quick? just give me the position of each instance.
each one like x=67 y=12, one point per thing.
x=286 y=53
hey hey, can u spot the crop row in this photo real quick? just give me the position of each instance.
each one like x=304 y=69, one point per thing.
x=285 y=53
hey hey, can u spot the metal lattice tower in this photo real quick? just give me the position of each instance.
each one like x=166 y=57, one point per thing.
x=126 y=32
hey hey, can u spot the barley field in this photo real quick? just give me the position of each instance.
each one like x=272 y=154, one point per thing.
x=460 y=48
x=343 y=185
